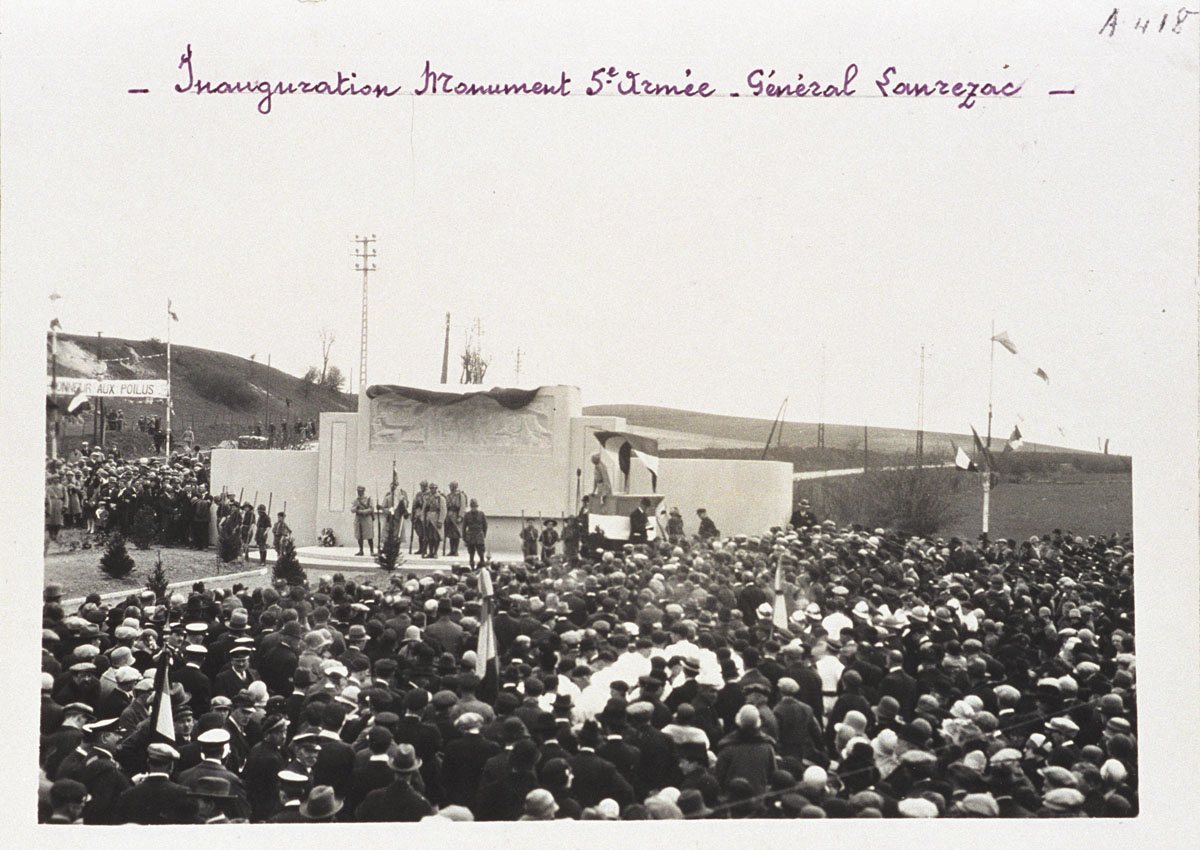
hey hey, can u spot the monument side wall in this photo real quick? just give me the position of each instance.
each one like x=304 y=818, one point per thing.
x=742 y=496
x=285 y=476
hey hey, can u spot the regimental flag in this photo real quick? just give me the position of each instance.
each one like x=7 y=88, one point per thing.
x=79 y=404
x=1041 y=373
x=1004 y=339
x=162 y=716
x=779 y=616
x=982 y=449
x=171 y=312
x=962 y=460
x=1015 y=441
x=487 y=654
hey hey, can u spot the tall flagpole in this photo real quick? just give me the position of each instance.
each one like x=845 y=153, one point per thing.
x=168 y=441
x=991 y=377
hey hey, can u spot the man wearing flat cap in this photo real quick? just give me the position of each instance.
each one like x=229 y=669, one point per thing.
x=59 y=744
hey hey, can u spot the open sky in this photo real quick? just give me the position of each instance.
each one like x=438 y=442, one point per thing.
x=696 y=253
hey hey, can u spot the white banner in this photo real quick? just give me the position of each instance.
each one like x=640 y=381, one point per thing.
x=109 y=388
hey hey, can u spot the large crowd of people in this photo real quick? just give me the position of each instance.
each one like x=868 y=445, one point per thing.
x=914 y=678
x=99 y=491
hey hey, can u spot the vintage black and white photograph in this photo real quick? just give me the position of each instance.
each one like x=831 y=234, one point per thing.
x=508 y=415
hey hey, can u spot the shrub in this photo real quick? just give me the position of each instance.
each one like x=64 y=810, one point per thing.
x=910 y=499
x=287 y=565
x=145 y=527
x=389 y=552
x=157 y=581
x=116 y=561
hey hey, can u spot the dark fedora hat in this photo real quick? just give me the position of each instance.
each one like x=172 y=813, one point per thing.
x=321 y=804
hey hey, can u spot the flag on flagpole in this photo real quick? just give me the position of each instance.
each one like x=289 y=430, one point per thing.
x=1015 y=440
x=982 y=449
x=779 y=616
x=1042 y=374
x=487 y=654
x=79 y=404
x=962 y=460
x=171 y=312
x=1004 y=339
x=162 y=715
x=55 y=324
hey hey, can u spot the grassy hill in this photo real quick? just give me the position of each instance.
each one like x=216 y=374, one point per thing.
x=688 y=433
x=217 y=395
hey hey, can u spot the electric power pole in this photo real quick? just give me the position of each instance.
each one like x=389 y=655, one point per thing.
x=365 y=256
x=921 y=411
x=517 y=380
x=821 y=404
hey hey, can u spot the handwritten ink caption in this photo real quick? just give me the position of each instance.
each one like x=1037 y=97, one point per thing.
x=606 y=80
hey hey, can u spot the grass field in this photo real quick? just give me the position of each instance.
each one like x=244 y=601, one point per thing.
x=1083 y=504
x=79 y=571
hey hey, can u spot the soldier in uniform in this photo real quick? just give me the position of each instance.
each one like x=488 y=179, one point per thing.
x=262 y=525
x=435 y=520
x=456 y=506
x=418 y=515
x=393 y=509
x=474 y=532
x=548 y=539
x=364 y=520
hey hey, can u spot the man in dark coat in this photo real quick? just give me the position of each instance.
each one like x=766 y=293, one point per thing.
x=746 y=753
x=399 y=801
x=899 y=684
x=263 y=764
x=658 y=767
x=447 y=633
x=374 y=773
x=424 y=737
x=799 y=732
x=463 y=761
x=596 y=778
x=639 y=521
x=155 y=799
x=335 y=764
x=101 y=774
x=475 y=526
x=213 y=745
x=504 y=798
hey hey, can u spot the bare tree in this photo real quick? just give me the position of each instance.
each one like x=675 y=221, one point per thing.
x=327 y=340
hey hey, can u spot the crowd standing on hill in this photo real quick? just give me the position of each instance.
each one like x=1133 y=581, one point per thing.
x=915 y=678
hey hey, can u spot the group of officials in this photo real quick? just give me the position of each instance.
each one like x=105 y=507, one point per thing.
x=434 y=514
x=808 y=672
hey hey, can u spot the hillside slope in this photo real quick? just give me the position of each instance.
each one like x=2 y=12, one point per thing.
x=217 y=395
x=714 y=431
